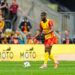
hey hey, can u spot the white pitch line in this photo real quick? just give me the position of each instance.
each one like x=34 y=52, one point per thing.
x=31 y=71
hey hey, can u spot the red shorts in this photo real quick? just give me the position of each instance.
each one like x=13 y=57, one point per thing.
x=51 y=41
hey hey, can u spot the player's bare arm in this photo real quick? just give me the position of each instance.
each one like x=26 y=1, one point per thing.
x=38 y=34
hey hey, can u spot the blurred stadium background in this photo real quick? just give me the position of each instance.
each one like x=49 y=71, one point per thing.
x=62 y=20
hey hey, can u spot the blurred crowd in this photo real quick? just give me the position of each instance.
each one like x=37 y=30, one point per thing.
x=23 y=35
x=8 y=17
x=66 y=38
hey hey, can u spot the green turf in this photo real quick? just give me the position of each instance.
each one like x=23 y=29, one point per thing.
x=17 y=68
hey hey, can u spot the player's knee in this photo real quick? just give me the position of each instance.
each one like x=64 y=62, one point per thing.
x=47 y=48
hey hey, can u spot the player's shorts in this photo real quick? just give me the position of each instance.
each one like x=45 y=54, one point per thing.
x=51 y=41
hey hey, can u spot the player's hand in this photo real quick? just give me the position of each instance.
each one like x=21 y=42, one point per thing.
x=44 y=33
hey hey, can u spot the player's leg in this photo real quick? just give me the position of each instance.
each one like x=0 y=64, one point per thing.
x=47 y=50
x=50 y=42
x=54 y=40
x=51 y=56
x=53 y=59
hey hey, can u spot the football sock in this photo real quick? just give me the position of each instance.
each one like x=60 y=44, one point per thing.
x=52 y=58
x=46 y=58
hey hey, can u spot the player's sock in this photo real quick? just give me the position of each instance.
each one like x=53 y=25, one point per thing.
x=52 y=58
x=46 y=58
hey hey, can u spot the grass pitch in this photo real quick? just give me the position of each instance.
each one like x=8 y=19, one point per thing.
x=17 y=68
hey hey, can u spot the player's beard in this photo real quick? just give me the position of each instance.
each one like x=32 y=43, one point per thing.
x=44 y=20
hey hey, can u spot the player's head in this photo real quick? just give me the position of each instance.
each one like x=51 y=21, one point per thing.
x=13 y=2
x=43 y=16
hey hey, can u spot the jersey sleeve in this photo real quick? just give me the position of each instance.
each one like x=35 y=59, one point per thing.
x=40 y=26
x=50 y=23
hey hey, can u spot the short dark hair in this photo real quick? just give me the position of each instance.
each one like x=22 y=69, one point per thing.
x=44 y=13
